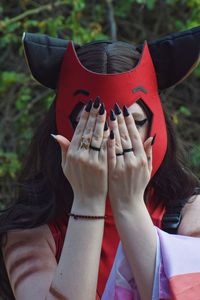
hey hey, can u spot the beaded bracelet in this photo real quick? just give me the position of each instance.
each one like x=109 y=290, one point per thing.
x=76 y=217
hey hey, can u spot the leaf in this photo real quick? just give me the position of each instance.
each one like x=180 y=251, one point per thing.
x=175 y=119
x=185 y=111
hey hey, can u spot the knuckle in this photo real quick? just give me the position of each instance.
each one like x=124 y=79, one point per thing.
x=88 y=131
x=130 y=165
x=70 y=155
x=134 y=136
x=142 y=162
x=118 y=144
x=101 y=169
x=82 y=159
x=96 y=137
x=79 y=129
x=104 y=146
x=124 y=137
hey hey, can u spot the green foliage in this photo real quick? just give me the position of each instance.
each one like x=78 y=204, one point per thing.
x=8 y=78
x=149 y=3
x=9 y=164
x=23 y=98
x=185 y=110
x=194 y=158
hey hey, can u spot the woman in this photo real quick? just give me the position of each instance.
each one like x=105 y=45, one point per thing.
x=98 y=161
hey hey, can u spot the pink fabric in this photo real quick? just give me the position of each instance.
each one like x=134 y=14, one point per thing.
x=177 y=271
x=122 y=293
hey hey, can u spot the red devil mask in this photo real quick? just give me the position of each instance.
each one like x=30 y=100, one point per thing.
x=77 y=85
x=124 y=88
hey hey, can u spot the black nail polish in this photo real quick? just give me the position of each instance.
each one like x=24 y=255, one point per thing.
x=102 y=109
x=96 y=102
x=88 y=106
x=112 y=135
x=117 y=109
x=125 y=111
x=153 y=140
x=106 y=126
x=112 y=115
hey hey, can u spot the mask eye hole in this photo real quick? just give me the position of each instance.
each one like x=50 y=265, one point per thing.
x=147 y=111
x=74 y=114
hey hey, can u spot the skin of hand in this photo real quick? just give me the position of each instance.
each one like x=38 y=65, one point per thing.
x=87 y=169
x=130 y=173
x=128 y=176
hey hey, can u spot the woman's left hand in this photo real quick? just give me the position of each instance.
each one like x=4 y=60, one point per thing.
x=128 y=174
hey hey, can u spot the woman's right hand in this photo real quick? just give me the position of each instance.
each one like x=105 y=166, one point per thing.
x=85 y=168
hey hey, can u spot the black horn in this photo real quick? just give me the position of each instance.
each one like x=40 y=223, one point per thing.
x=44 y=57
x=175 y=56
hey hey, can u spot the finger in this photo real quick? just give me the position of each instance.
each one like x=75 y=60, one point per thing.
x=106 y=132
x=124 y=134
x=97 y=137
x=148 y=151
x=64 y=144
x=133 y=133
x=87 y=133
x=80 y=126
x=103 y=149
x=111 y=152
x=118 y=146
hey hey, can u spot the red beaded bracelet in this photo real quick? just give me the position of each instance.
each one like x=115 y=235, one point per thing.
x=76 y=217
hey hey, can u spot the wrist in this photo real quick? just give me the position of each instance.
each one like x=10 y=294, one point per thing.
x=129 y=207
x=81 y=208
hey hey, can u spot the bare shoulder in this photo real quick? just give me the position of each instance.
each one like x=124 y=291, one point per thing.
x=190 y=224
x=29 y=257
x=34 y=236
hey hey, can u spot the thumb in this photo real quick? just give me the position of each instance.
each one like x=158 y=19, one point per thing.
x=63 y=142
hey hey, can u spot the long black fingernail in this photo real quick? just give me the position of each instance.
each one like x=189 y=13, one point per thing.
x=96 y=102
x=125 y=111
x=112 y=135
x=112 y=115
x=117 y=109
x=153 y=140
x=102 y=109
x=106 y=126
x=89 y=106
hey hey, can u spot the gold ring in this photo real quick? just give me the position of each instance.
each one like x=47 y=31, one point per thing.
x=85 y=143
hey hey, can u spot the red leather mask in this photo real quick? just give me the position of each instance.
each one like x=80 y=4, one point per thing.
x=124 y=88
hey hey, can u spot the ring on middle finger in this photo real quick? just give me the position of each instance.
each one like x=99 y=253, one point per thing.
x=128 y=150
x=120 y=153
x=95 y=148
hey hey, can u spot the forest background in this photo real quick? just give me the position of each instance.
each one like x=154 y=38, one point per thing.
x=23 y=102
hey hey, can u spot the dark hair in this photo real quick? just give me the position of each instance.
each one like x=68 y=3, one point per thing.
x=42 y=191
